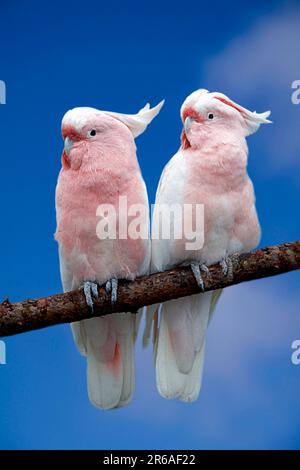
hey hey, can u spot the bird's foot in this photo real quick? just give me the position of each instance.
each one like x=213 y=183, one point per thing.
x=196 y=269
x=111 y=288
x=227 y=265
x=90 y=290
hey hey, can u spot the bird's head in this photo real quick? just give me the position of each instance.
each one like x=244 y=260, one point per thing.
x=87 y=132
x=212 y=116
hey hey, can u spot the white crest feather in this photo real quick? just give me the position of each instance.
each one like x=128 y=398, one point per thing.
x=192 y=99
x=252 y=119
x=138 y=123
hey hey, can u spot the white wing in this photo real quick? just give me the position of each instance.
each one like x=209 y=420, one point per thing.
x=169 y=191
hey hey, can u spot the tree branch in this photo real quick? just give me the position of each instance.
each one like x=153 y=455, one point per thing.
x=178 y=282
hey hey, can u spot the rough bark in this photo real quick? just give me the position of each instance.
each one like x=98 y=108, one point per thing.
x=30 y=314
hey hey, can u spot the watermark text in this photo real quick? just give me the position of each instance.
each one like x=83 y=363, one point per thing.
x=2 y=353
x=184 y=222
x=295 y=357
x=2 y=92
x=296 y=94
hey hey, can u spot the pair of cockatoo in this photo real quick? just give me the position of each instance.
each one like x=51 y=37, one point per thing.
x=99 y=165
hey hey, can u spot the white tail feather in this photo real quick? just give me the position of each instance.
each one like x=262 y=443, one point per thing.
x=79 y=336
x=180 y=347
x=138 y=318
x=151 y=310
x=128 y=332
x=108 y=343
x=194 y=379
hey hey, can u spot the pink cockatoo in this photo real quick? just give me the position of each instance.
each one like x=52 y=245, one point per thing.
x=209 y=169
x=99 y=165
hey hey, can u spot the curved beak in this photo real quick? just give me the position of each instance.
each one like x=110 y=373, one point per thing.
x=68 y=145
x=187 y=123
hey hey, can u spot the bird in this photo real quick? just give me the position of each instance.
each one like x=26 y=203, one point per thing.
x=209 y=170
x=99 y=167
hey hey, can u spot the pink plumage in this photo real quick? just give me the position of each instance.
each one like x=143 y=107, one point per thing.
x=99 y=165
x=210 y=169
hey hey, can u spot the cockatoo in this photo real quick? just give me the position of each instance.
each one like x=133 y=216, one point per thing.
x=209 y=169
x=99 y=165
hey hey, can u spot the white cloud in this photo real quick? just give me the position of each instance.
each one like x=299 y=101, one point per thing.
x=257 y=69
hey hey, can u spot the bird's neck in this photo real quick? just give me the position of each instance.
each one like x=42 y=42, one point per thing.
x=219 y=166
x=116 y=157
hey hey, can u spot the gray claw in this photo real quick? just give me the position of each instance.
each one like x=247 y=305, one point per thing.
x=111 y=288
x=108 y=287
x=195 y=267
x=90 y=289
x=227 y=267
x=114 y=290
x=205 y=269
x=95 y=290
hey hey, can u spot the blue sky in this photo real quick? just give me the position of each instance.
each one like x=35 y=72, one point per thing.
x=57 y=56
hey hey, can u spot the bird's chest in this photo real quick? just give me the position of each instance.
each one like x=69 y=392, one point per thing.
x=79 y=198
x=84 y=192
x=220 y=201
x=219 y=189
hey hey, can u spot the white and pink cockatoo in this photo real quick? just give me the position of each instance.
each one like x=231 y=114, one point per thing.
x=99 y=164
x=210 y=168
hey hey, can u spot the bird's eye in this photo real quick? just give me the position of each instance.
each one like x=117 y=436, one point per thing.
x=92 y=133
x=210 y=116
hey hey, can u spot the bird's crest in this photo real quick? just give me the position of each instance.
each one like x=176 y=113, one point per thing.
x=192 y=103
x=138 y=123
